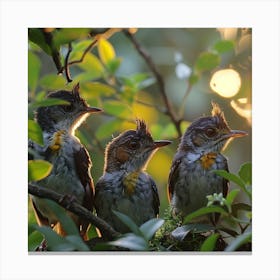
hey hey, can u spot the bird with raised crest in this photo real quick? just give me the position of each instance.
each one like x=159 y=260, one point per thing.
x=70 y=175
x=191 y=178
x=125 y=186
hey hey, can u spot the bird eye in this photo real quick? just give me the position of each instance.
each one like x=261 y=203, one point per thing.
x=134 y=145
x=68 y=108
x=210 y=132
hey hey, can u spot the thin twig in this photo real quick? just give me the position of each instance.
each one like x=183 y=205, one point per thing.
x=66 y=65
x=159 y=79
x=184 y=101
x=54 y=51
x=92 y=44
x=107 y=34
x=74 y=207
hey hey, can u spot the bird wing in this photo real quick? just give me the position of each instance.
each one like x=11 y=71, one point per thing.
x=225 y=185
x=223 y=165
x=173 y=177
x=156 y=201
x=83 y=164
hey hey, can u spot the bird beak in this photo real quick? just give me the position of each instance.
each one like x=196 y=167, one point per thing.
x=161 y=143
x=93 y=110
x=236 y=134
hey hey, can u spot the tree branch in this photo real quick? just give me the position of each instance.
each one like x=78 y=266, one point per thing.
x=74 y=207
x=66 y=64
x=107 y=34
x=54 y=52
x=159 y=79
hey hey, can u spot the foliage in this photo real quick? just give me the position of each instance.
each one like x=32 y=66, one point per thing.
x=90 y=56
x=55 y=242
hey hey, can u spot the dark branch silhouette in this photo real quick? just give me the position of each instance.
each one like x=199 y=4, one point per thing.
x=54 y=51
x=66 y=64
x=76 y=208
x=152 y=66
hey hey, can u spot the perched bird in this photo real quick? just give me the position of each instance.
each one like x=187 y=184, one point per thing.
x=199 y=153
x=125 y=186
x=70 y=175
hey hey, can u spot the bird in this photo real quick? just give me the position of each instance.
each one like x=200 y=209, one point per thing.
x=125 y=186
x=70 y=175
x=191 y=178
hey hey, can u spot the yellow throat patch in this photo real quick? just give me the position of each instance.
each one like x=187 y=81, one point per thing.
x=207 y=160
x=57 y=140
x=130 y=181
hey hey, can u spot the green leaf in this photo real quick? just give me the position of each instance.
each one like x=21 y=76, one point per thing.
x=244 y=238
x=54 y=240
x=224 y=46
x=35 y=132
x=36 y=36
x=72 y=241
x=67 y=223
x=204 y=211
x=77 y=242
x=66 y=35
x=117 y=108
x=209 y=243
x=132 y=242
x=231 y=177
x=138 y=81
x=85 y=77
x=106 y=51
x=150 y=227
x=95 y=89
x=57 y=242
x=245 y=173
x=163 y=131
x=232 y=195
x=114 y=64
x=207 y=61
x=128 y=222
x=234 y=178
x=108 y=129
x=34 y=238
x=34 y=66
x=80 y=46
x=38 y=169
x=52 y=82
x=91 y=64
x=181 y=232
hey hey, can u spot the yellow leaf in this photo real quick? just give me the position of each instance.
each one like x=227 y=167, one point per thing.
x=106 y=51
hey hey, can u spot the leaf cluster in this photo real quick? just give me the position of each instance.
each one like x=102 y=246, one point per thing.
x=94 y=62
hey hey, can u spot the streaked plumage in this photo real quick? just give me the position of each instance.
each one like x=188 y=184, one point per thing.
x=199 y=153
x=125 y=186
x=71 y=162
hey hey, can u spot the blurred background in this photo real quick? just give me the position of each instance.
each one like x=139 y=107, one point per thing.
x=197 y=66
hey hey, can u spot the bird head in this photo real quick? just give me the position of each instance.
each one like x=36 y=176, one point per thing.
x=65 y=117
x=209 y=134
x=132 y=149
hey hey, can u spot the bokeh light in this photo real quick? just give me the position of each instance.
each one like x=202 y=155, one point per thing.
x=226 y=82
